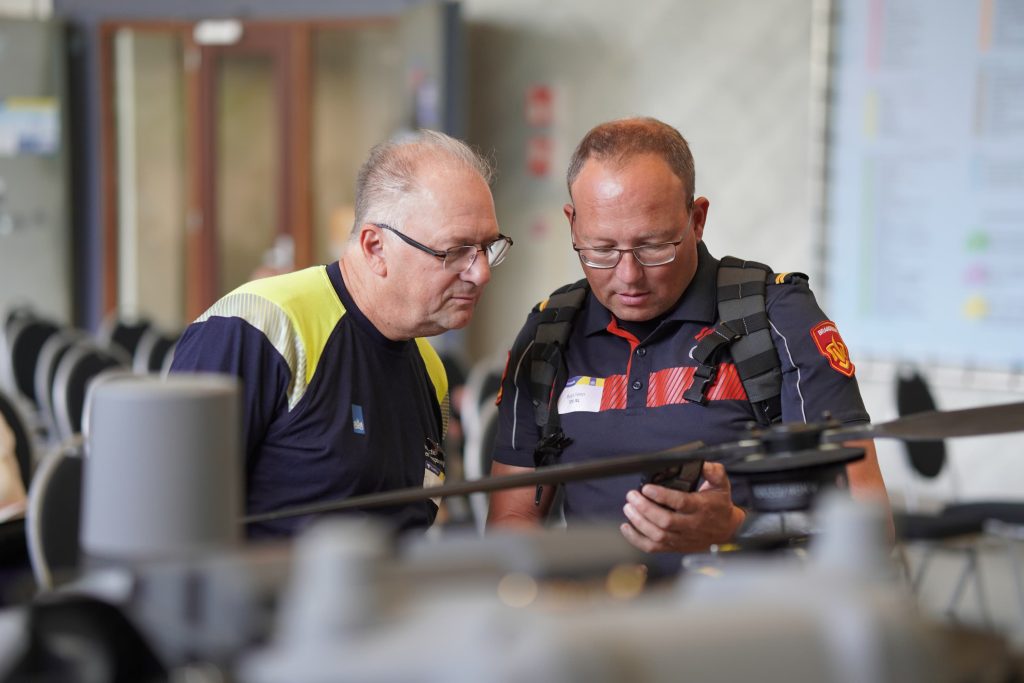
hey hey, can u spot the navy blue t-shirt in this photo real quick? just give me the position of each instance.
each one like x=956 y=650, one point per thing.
x=331 y=407
x=624 y=395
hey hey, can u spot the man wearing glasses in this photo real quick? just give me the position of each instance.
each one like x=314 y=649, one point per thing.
x=342 y=395
x=637 y=227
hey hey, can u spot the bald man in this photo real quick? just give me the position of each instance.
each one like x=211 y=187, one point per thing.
x=343 y=396
x=651 y=297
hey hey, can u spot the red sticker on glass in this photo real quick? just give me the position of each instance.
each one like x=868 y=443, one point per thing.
x=830 y=344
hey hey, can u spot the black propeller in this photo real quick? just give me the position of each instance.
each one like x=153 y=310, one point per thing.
x=555 y=474
x=777 y=452
x=937 y=424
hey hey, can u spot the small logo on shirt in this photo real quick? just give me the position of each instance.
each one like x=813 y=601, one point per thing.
x=830 y=345
x=358 y=425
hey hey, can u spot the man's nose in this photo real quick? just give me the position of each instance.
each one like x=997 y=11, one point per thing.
x=628 y=269
x=480 y=272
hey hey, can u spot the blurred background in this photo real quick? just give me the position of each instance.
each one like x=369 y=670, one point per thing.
x=155 y=155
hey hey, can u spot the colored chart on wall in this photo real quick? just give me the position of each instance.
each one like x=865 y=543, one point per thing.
x=925 y=220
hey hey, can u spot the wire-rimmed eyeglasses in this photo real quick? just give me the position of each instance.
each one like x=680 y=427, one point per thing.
x=460 y=259
x=646 y=255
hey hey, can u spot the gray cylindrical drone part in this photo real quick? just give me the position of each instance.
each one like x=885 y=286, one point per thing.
x=163 y=472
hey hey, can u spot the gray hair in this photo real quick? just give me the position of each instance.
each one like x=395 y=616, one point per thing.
x=391 y=172
x=619 y=141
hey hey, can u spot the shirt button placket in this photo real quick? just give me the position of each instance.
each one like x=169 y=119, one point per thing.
x=637 y=376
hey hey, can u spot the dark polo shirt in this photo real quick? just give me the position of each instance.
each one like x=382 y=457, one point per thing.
x=625 y=394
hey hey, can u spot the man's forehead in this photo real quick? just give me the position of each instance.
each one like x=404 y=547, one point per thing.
x=608 y=186
x=453 y=207
x=628 y=166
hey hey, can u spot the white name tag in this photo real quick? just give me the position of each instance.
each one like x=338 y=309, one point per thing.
x=581 y=395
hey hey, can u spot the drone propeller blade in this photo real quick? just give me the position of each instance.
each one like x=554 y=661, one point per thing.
x=998 y=419
x=544 y=476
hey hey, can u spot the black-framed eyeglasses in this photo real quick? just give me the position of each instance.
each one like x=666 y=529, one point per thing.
x=647 y=255
x=460 y=259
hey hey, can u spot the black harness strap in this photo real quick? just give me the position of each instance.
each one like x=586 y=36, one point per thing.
x=548 y=371
x=547 y=363
x=746 y=332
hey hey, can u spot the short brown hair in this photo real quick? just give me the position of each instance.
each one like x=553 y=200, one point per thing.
x=623 y=139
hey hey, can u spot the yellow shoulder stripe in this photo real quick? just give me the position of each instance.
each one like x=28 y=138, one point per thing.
x=438 y=377
x=296 y=312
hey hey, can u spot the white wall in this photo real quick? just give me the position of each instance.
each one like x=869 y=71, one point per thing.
x=732 y=75
x=735 y=77
x=26 y=9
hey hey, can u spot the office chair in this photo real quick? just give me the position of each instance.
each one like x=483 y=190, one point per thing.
x=53 y=518
x=957 y=526
x=10 y=318
x=152 y=351
x=482 y=384
x=77 y=369
x=26 y=337
x=122 y=334
x=46 y=371
x=480 y=436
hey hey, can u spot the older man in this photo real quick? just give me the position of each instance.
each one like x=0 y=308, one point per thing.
x=629 y=361
x=342 y=395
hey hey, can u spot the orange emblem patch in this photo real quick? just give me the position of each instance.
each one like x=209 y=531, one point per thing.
x=830 y=344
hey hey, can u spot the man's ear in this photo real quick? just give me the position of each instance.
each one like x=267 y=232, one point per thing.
x=371 y=246
x=569 y=210
x=699 y=216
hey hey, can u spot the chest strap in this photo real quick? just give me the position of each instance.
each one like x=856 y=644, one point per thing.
x=745 y=331
x=547 y=363
x=548 y=372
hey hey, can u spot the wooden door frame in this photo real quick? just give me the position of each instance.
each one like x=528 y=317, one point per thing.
x=292 y=95
x=292 y=154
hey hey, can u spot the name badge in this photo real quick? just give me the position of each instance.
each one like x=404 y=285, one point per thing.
x=581 y=395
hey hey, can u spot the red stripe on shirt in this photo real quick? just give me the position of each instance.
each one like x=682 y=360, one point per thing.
x=613 y=397
x=666 y=387
x=727 y=385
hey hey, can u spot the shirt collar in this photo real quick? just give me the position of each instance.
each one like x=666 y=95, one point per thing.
x=351 y=309
x=699 y=303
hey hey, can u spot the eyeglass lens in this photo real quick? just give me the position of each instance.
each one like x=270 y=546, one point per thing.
x=647 y=255
x=462 y=258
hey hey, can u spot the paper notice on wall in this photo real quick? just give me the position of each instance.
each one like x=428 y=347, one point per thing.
x=926 y=181
x=29 y=126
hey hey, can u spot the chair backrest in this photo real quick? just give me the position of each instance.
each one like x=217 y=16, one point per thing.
x=123 y=334
x=76 y=370
x=11 y=318
x=26 y=337
x=17 y=313
x=913 y=395
x=482 y=384
x=480 y=438
x=168 y=360
x=46 y=371
x=22 y=439
x=53 y=517
x=152 y=351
